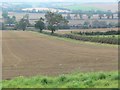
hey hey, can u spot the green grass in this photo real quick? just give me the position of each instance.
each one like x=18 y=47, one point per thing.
x=81 y=7
x=0 y=85
x=74 y=80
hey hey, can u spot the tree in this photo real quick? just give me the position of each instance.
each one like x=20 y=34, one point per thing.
x=16 y=26
x=26 y=17
x=95 y=24
x=23 y=24
x=89 y=15
x=75 y=16
x=101 y=15
x=99 y=24
x=118 y=14
x=54 y=21
x=112 y=16
x=3 y=26
x=7 y=19
x=11 y=20
x=86 y=24
x=81 y=15
x=108 y=14
x=112 y=24
x=40 y=24
x=5 y=14
x=14 y=18
x=68 y=16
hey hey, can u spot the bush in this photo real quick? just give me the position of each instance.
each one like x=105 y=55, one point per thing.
x=62 y=78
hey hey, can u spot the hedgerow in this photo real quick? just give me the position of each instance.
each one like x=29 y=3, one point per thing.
x=107 y=40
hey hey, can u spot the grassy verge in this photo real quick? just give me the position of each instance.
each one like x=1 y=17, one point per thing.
x=75 y=80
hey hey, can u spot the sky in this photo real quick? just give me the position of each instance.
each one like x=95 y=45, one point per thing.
x=59 y=0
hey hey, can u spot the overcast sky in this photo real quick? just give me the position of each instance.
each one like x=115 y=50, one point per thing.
x=59 y=0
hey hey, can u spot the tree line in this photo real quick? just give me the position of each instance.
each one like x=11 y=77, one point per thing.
x=53 y=22
x=101 y=14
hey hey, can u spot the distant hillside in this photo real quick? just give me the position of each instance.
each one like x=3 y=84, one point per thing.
x=105 y=6
x=82 y=7
x=93 y=6
x=65 y=5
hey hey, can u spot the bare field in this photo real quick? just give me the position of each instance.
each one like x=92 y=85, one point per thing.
x=30 y=53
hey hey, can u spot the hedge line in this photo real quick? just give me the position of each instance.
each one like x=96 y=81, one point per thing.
x=99 y=33
x=108 y=40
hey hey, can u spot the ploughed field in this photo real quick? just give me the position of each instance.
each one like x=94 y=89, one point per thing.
x=30 y=54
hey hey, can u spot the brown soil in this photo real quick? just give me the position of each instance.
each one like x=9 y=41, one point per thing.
x=30 y=54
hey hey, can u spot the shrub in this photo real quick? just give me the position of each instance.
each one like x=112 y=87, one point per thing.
x=62 y=78
x=44 y=81
x=101 y=76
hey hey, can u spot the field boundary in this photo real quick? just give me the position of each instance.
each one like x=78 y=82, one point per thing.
x=74 y=40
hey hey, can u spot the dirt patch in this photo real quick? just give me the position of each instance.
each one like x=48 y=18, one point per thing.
x=29 y=54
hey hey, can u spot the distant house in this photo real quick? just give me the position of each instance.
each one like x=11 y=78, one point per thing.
x=10 y=25
x=44 y=10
